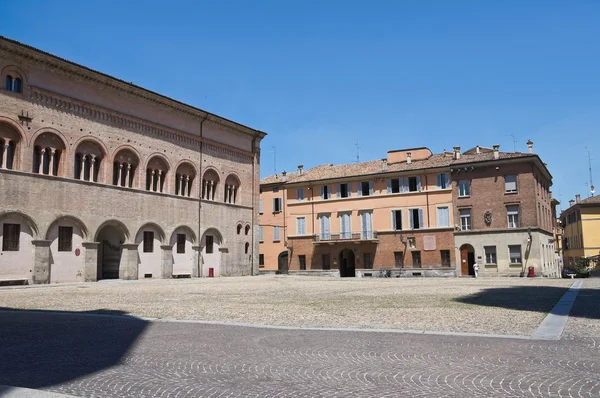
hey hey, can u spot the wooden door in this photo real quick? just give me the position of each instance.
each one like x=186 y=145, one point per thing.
x=464 y=261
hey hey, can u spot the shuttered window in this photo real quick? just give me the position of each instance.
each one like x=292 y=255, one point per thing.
x=148 y=241
x=181 y=243
x=65 y=239
x=10 y=237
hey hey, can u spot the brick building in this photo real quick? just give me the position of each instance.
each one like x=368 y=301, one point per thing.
x=100 y=178
x=412 y=213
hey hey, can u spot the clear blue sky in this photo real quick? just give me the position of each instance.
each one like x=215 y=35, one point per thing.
x=318 y=75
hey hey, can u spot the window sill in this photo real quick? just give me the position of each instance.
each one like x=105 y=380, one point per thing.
x=464 y=197
x=515 y=265
x=277 y=241
x=276 y=212
x=511 y=192
x=491 y=266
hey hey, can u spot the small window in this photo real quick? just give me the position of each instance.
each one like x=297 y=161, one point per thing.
x=399 y=259
x=510 y=183
x=515 y=254
x=276 y=232
x=513 y=216
x=276 y=205
x=365 y=188
x=490 y=255
x=246 y=248
x=247 y=230
x=17 y=85
x=464 y=188
x=181 y=238
x=416 y=218
x=397 y=220
x=344 y=190
x=260 y=206
x=148 y=241
x=239 y=229
x=261 y=259
x=301 y=226
x=414 y=184
x=302 y=262
x=275 y=189
x=65 y=239
x=465 y=219
x=394 y=185
x=325 y=192
x=9 y=83
x=10 y=237
x=368 y=260
x=209 y=244
x=300 y=194
x=416 y=257
x=443 y=181
x=260 y=234
x=445 y=258
x=326 y=260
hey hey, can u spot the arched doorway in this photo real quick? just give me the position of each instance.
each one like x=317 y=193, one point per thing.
x=347 y=263
x=211 y=243
x=283 y=262
x=467 y=259
x=109 y=251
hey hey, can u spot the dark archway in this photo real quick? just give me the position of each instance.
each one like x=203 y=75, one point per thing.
x=283 y=262
x=467 y=259
x=110 y=238
x=347 y=263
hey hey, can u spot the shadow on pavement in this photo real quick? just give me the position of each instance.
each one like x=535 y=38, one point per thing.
x=536 y=298
x=44 y=348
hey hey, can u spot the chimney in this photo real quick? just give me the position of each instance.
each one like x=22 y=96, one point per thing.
x=456 y=152
x=408 y=158
x=577 y=198
x=496 y=151
x=477 y=149
x=530 y=146
x=284 y=176
x=384 y=164
x=571 y=203
x=300 y=169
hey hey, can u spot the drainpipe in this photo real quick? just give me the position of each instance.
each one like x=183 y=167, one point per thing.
x=427 y=201
x=199 y=236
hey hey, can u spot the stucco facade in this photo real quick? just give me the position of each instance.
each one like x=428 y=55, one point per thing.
x=581 y=223
x=135 y=182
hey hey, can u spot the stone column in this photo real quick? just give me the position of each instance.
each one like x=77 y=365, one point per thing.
x=152 y=180
x=41 y=164
x=187 y=186
x=181 y=185
x=119 y=174
x=166 y=269
x=90 y=270
x=197 y=268
x=158 y=182
x=226 y=193
x=41 y=265
x=92 y=167
x=82 y=171
x=51 y=162
x=5 y=155
x=128 y=268
x=127 y=171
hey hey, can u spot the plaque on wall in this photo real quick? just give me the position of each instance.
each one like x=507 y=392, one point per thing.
x=428 y=243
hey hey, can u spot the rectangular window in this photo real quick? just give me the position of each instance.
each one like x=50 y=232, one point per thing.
x=209 y=244
x=299 y=194
x=65 y=239
x=344 y=190
x=10 y=237
x=397 y=220
x=414 y=184
x=514 y=252
x=301 y=226
x=260 y=206
x=445 y=257
x=345 y=232
x=464 y=188
x=399 y=259
x=465 y=219
x=261 y=259
x=513 y=216
x=443 y=181
x=368 y=260
x=276 y=205
x=394 y=185
x=510 y=183
x=275 y=234
x=148 y=241
x=443 y=217
x=365 y=188
x=302 y=262
x=415 y=218
x=325 y=192
x=326 y=260
x=416 y=257
x=366 y=222
x=260 y=234
x=275 y=189
x=181 y=243
x=490 y=255
x=325 y=228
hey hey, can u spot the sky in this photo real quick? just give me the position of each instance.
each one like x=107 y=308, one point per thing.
x=321 y=76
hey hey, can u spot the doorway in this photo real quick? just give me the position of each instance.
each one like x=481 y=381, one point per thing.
x=347 y=269
x=283 y=262
x=467 y=260
x=109 y=252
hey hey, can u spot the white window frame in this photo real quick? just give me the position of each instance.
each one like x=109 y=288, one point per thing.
x=495 y=253
x=461 y=184
x=342 y=231
x=261 y=234
x=520 y=255
x=393 y=219
x=360 y=190
x=301 y=225
x=506 y=184
x=276 y=234
x=469 y=225
x=348 y=190
x=411 y=218
x=443 y=181
x=300 y=194
x=512 y=216
x=437 y=216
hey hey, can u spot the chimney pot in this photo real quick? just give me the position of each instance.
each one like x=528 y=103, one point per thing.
x=384 y=164
x=530 y=146
x=571 y=203
x=496 y=148
x=478 y=149
x=577 y=198
x=408 y=158
x=284 y=176
x=300 y=169
x=456 y=152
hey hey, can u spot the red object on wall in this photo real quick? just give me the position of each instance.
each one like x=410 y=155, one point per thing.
x=211 y=272
x=77 y=252
x=531 y=272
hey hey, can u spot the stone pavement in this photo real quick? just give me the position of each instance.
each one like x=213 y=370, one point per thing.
x=105 y=356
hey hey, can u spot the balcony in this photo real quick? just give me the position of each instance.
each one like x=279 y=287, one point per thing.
x=358 y=237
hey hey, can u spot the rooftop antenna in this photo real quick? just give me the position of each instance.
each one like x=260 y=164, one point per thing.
x=514 y=141
x=274 y=160
x=590 y=168
x=357 y=151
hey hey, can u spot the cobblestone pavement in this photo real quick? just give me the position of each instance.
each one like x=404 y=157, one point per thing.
x=94 y=356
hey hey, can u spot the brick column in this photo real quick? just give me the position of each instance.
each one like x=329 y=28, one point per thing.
x=166 y=269
x=90 y=269
x=128 y=268
x=41 y=265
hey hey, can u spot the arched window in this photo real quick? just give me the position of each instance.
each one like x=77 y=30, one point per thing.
x=210 y=184
x=231 y=189
x=7 y=153
x=184 y=179
x=88 y=161
x=156 y=174
x=124 y=169
x=239 y=229
x=47 y=153
x=247 y=248
x=9 y=82
x=247 y=229
x=17 y=86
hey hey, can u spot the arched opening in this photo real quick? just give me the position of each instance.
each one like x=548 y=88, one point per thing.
x=66 y=235
x=149 y=239
x=89 y=157
x=283 y=263
x=48 y=151
x=247 y=229
x=211 y=243
x=156 y=174
x=184 y=179
x=246 y=248
x=17 y=231
x=111 y=236
x=231 y=189
x=10 y=140
x=467 y=260
x=210 y=184
x=9 y=82
x=239 y=229
x=125 y=167
x=347 y=268
x=182 y=241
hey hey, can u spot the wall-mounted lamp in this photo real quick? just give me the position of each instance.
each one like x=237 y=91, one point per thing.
x=529 y=233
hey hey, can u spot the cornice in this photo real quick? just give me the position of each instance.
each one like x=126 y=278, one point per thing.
x=44 y=59
x=106 y=116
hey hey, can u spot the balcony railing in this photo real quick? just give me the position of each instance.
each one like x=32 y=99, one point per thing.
x=347 y=236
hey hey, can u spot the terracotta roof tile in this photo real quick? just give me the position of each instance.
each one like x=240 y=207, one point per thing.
x=590 y=201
